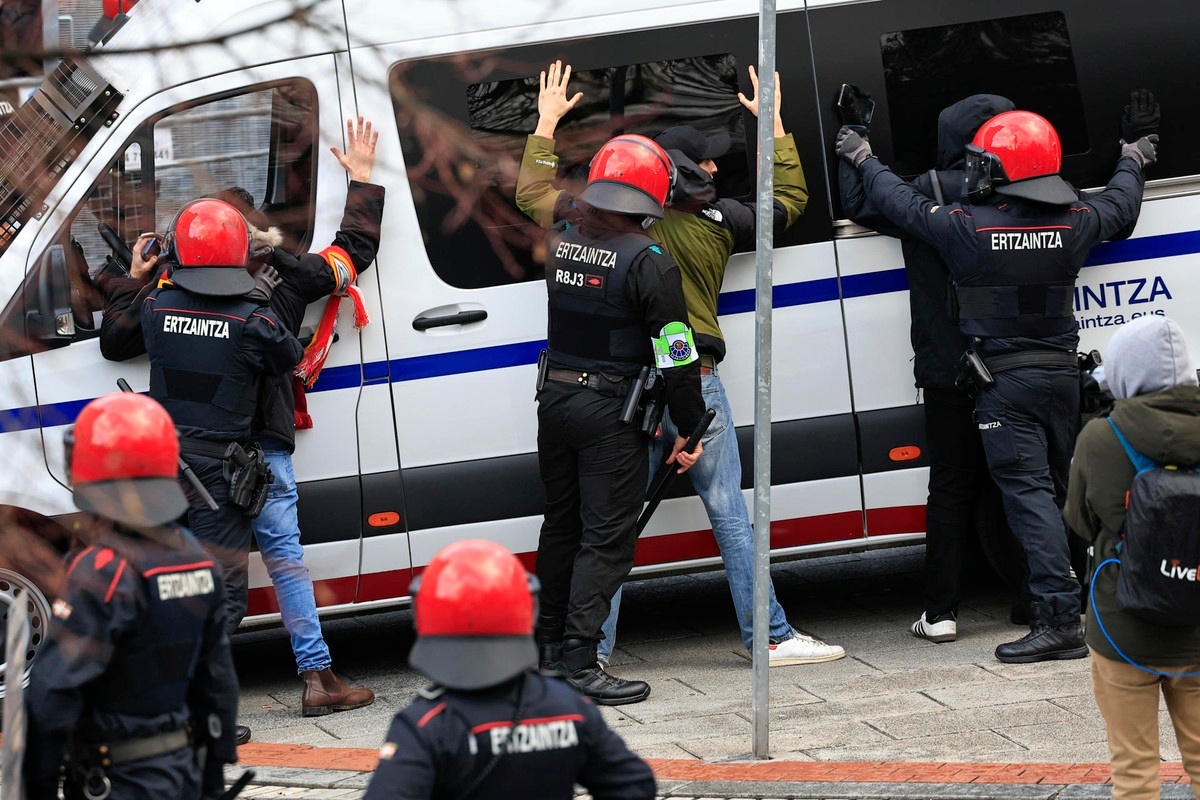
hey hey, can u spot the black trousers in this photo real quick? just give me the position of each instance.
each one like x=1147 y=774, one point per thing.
x=225 y=534
x=958 y=481
x=594 y=469
x=1028 y=422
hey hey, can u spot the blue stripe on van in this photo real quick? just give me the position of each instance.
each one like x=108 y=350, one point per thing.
x=514 y=355
x=1164 y=246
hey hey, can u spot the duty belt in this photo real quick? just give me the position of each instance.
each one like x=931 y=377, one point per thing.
x=106 y=755
x=591 y=380
x=203 y=447
x=1032 y=358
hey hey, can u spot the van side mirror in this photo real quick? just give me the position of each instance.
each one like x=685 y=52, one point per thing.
x=53 y=318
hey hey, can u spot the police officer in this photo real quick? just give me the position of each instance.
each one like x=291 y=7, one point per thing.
x=491 y=727
x=1014 y=249
x=616 y=307
x=136 y=668
x=209 y=344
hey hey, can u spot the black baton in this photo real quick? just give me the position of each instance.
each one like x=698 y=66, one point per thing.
x=658 y=485
x=238 y=785
x=124 y=386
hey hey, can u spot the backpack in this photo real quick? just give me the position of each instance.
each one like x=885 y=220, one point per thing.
x=1160 y=542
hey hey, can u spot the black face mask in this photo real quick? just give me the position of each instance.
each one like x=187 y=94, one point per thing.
x=982 y=171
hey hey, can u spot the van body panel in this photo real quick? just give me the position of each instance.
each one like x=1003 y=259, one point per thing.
x=425 y=420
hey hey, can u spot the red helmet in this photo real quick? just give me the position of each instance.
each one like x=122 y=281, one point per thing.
x=1018 y=153
x=211 y=242
x=123 y=460
x=630 y=174
x=474 y=611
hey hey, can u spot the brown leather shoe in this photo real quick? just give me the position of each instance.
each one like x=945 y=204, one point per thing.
x=325 y=693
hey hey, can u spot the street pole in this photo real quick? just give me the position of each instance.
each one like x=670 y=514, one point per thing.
x=763 y=261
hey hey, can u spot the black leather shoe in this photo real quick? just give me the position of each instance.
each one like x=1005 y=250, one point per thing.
x=242 y=734
x=1044 y=643
x=605 y=689
x=550 y=660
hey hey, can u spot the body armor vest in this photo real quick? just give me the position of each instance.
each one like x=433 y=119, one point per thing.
x=1025 y=280
x=151 y=671
x=593 y=327
x=193 y=342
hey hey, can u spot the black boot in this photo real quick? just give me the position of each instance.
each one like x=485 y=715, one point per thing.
x=1044 y=643
x=550 y=660
x=241 y=734
x=586 y=675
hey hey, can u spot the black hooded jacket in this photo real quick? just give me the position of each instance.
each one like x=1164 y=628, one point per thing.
x=305 y=279
x=936 y=340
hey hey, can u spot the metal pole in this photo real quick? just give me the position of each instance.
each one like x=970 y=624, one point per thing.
x=16 y=643
x=762 y=370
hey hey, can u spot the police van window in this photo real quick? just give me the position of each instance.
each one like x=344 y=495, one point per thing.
x=262 y=140
x=1025 y=58
x=474 y=234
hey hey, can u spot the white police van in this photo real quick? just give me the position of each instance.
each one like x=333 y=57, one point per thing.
x=425 y=421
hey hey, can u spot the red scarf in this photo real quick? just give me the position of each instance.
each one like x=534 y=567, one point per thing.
x=317 y=351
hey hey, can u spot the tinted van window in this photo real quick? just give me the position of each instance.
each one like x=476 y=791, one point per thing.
x=1027 y=59
x=474 y=234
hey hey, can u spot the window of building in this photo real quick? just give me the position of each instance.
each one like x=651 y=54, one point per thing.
x=463 y=158
x=1027 y=59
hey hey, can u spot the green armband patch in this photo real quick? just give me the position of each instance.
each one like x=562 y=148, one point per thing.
x=674 y=346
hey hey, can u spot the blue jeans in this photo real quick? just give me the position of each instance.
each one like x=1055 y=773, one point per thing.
x=717 y=478
x=277 y=530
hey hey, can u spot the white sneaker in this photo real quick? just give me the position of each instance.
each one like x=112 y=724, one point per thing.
x=801 y=649
x=945 y=630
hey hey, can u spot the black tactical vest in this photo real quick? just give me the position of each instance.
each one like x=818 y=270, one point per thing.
x=179 y=590
x=193 y=342
x=1025 y=280
x=592 y=326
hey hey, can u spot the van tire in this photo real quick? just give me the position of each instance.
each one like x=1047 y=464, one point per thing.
x=36 y=606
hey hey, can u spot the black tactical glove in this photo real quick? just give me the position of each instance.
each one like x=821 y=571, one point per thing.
x=1144 y=150
x=1140 y=117
x=852 y=146
x=265 y=281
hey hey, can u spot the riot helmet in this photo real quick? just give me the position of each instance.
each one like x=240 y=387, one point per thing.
x=630 y=174
x=122 y=458
x=1017 y=154
x=474 y=608
x=210 y=242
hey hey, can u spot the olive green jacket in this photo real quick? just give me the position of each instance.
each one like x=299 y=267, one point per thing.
x=1166 y=427
x=701 y=239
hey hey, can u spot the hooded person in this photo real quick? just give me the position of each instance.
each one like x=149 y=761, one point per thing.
x=490 y=726
x=958 y=475
x=1153 y=380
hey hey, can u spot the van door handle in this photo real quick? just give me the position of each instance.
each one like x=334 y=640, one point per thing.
x=460 y=318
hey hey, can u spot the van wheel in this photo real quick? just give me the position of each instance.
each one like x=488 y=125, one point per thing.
x=1000 y=547
x=38 y=609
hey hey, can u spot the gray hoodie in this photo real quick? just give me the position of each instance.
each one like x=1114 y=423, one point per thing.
x=1158 y=410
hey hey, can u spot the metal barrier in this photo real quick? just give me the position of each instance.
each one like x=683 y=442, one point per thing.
x=16 y=645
